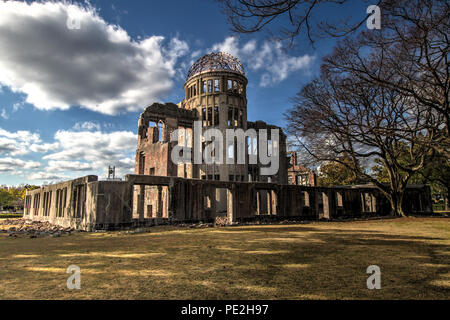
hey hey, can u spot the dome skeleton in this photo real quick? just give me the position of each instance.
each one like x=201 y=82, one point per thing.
x=216 y=61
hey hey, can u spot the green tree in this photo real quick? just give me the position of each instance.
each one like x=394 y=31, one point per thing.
x=337 y=174
x=435 y=173
x=12 y=196
x=6 y=198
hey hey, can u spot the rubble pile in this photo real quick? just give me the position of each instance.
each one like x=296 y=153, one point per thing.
x=33 y=229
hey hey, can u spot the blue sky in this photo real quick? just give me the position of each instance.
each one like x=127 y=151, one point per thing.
x=70 y=98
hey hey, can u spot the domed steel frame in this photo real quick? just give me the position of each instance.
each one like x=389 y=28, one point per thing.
x=216 y=61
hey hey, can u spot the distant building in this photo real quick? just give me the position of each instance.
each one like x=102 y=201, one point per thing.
x=298 y=174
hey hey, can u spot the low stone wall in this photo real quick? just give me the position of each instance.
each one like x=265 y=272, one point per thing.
x=89 y=204
x=82 y=204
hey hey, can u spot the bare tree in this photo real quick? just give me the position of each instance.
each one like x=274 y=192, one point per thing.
x=297 y=17
x=414 y=36
x=413 y=50
x=338 y=114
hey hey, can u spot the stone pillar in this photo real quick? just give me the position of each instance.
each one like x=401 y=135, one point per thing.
x=374 y=202
x=274 y=201
x=327 y=205
x=258 y=202
x=269 y=202
x=307 y=198
x=159 y=209
x=141 y=202
x=340 y=199
x=231 y=205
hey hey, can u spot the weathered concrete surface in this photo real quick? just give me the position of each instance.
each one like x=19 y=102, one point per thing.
x=82 y=204
x=88 y=204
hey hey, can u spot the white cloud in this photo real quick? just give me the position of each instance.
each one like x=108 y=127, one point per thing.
x=196 y=54
x=17 y=143
x=229 y=45
x=44 y=147
x=93 y=152
x=97 y=66
x=17 y=106
x=11 y=164
x=71 y=154
x=55 y=166
x=88 y=125
x=45 y=176
x=269 y=58
x=4 y=115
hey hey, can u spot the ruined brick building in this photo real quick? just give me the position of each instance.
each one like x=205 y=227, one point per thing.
x=215 y=94
x=298 y=174
x=162 y=191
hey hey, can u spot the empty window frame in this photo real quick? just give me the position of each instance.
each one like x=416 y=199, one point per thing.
x=209 y=85
x=230 y=84
x=231 y=150
x=62 y=202
x=230 y=116
x=47 y=203
x=216 y=85
x=209 y=120
x=141 y=163
x=204 y=117
x=58 y=200
x=252 y=144
x=160 y=132
x=216 y=115
x=36 y=204
x=28 y=204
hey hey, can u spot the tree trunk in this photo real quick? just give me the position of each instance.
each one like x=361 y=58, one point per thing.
x=396 y=200
x=446 y=202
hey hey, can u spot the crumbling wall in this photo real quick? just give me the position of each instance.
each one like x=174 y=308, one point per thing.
x=82 y=204
x=89 y=204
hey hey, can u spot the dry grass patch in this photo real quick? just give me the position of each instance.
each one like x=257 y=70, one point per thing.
x=313 y=261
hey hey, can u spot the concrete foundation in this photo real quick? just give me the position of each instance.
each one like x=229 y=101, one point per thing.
x=89 y=204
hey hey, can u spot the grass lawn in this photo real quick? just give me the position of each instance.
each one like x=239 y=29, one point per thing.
x=10 y=215
x=312 y=261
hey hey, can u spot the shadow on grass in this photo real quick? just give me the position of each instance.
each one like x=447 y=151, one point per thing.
x=286 y=262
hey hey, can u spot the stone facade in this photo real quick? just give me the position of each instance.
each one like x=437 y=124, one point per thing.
x=298 y=174
x=215 y=95
x=88 y=204
x=82 y=204
x=162 y=191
